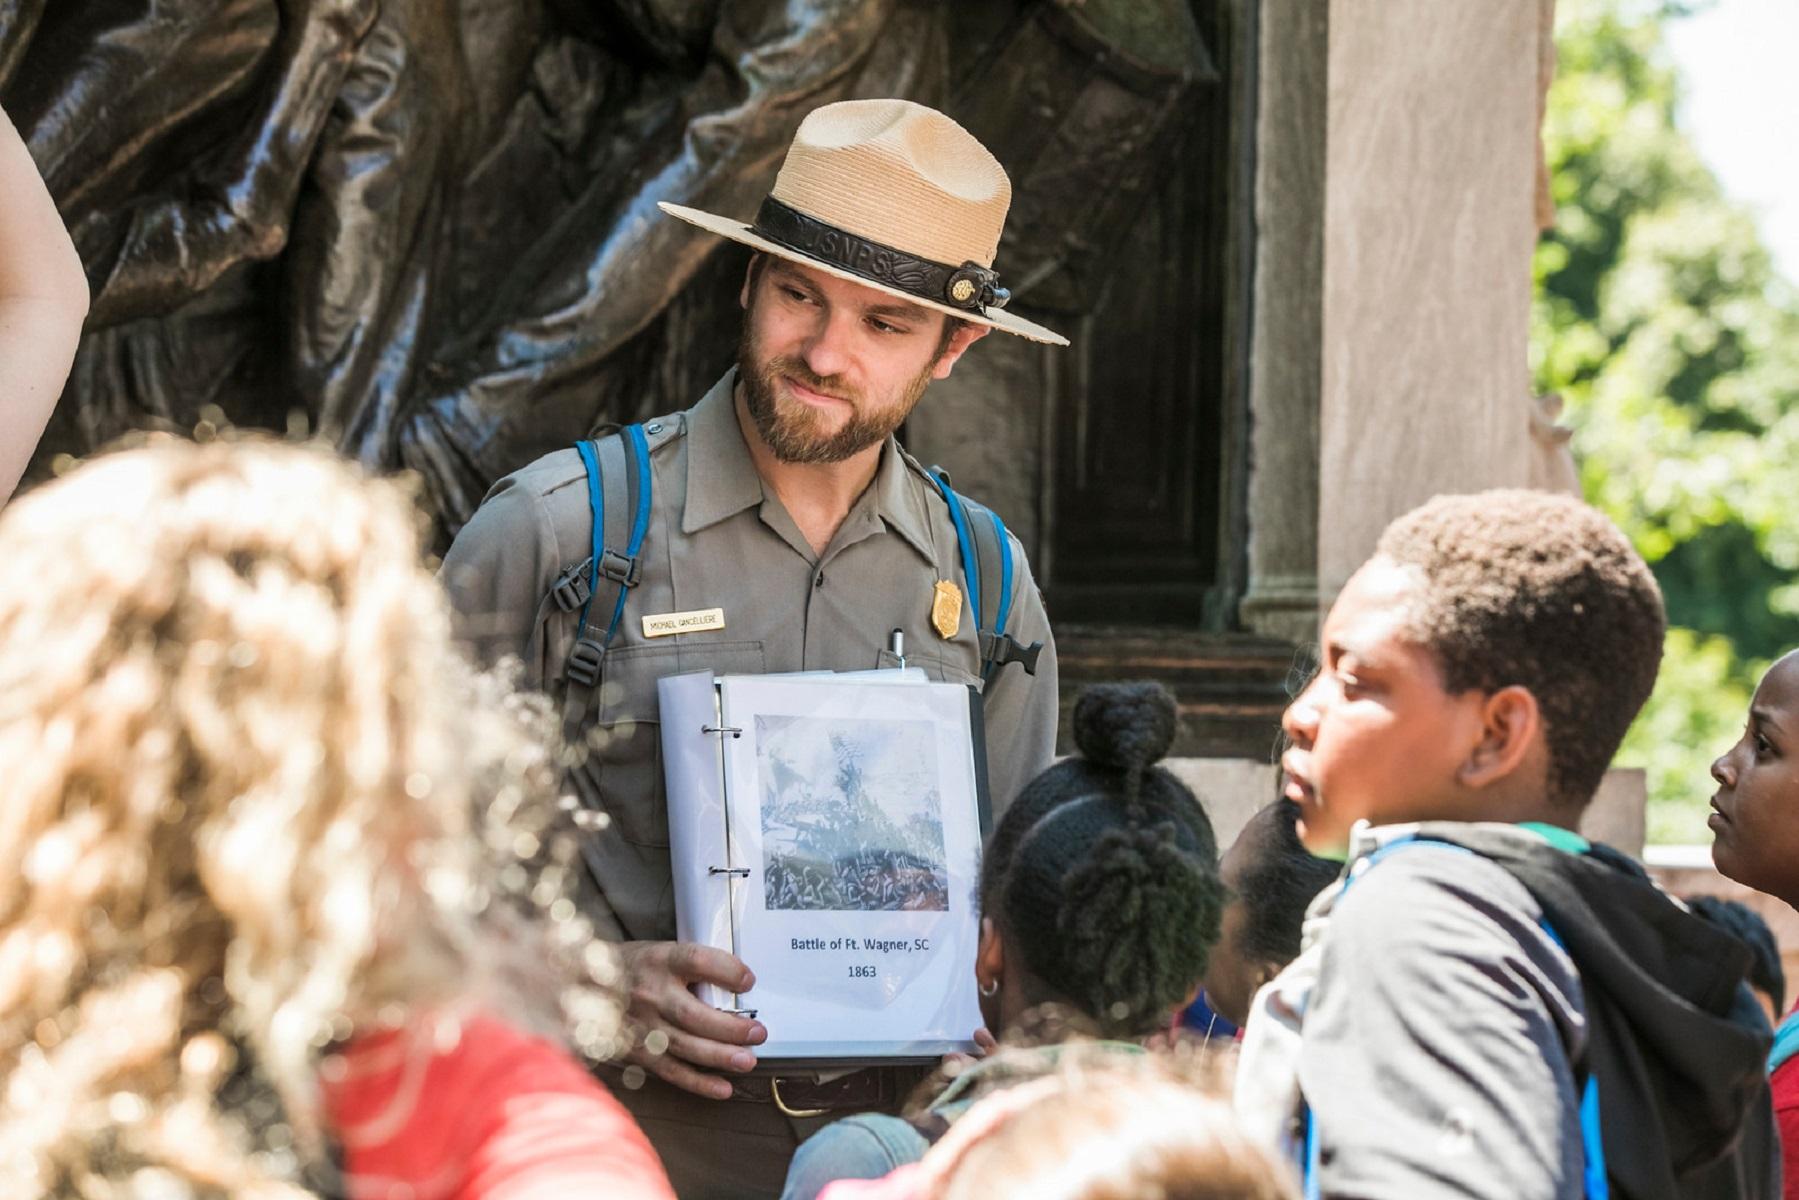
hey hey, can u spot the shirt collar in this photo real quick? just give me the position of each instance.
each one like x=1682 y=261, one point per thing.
x=722 y=479
x=900 y=500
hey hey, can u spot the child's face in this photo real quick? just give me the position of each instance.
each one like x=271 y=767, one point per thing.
x=1375 y=735
x=1755 y=818
x=1232 y=974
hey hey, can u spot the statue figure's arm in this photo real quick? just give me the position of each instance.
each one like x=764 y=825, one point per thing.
x=183 y=225
x=18 y=21
x=614 y=261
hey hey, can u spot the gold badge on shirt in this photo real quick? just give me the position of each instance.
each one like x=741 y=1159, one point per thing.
x=946 y=609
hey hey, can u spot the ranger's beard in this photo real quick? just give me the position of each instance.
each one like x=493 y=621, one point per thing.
x=795 y=433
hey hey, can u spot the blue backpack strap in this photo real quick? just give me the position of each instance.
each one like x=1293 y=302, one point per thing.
x=596 y=510
x=1005 y=574
x=619 y=486
x=1596 y=1185
x=988 y=570
x=1786 y=1043
x=958 y=514
x=623 y=570
x=993 y=558
x=1309 y=1151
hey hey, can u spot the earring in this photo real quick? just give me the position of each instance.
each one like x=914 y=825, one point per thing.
x=990 y=988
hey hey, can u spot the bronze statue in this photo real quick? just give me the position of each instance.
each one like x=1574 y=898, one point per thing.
x=428 y=227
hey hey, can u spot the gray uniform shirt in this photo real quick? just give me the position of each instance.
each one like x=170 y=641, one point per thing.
x=717 y=540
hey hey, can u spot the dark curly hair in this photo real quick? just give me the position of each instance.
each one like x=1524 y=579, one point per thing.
x=1278 y=882
x=1540 y=591
x=1103 y=874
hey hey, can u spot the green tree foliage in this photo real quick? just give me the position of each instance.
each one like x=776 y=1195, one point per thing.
x=1661 y=321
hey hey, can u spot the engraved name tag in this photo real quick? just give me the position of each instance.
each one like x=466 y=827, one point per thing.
x=700 y=619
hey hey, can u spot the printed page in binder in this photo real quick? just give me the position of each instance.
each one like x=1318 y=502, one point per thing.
x=855 y=807
x=847 y=813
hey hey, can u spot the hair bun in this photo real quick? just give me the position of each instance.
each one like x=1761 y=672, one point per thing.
x=1124 y=725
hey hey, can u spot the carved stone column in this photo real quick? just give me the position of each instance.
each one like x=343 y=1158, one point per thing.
x=1286 y=371
x=1430 y=217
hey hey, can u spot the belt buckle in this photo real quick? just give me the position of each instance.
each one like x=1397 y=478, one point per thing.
x=774 y=1091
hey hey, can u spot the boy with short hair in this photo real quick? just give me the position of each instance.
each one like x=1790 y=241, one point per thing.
x=1488 y=1005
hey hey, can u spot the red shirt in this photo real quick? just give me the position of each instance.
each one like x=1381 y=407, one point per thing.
x=1785 y=1084
x=489 y=1113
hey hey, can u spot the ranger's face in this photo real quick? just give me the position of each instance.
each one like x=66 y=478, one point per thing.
x=831 y=368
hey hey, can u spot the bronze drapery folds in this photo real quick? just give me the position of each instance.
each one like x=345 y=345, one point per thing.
x=428 y=228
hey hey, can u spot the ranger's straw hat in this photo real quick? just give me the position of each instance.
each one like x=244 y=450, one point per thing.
x=895 y=196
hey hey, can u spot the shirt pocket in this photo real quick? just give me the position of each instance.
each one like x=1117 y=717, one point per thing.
x=938 y=669
x=623 y=769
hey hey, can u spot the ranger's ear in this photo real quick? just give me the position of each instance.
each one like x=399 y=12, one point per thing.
x=959 y=342
x=750 y=274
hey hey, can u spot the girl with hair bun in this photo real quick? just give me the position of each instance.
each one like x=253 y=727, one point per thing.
x=1100 y=901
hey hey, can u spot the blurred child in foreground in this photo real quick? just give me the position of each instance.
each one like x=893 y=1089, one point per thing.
x=1755 y=832
x=1488 y=1005
x=254 y=933
x=1095 y=1126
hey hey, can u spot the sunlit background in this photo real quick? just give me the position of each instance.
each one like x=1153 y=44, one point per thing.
x=1667 y=319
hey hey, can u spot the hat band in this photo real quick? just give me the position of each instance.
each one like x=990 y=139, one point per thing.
x=970 y=287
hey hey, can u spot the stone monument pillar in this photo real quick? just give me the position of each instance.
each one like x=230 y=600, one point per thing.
x=1287 y=348
x=1395 y=219
x=1430 y=216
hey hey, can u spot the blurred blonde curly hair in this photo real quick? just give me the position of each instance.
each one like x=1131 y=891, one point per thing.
x=1098 y=1125
x=254 y=802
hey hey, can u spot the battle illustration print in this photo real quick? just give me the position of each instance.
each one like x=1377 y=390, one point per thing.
x=851 y=816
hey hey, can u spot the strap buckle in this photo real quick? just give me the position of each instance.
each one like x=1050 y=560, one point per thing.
x=570 y=591
x=999 y=650
x=619 y=568
x=584 y=662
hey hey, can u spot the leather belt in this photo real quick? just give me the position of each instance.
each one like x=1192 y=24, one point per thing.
x=807 y=1096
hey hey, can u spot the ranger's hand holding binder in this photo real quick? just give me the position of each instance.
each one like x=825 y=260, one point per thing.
x=683 y=1037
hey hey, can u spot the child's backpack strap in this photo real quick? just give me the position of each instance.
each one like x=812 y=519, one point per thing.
x=1786 y=1043
x=1592 y=1140
x=1596 y=1183
x=987 y=573
x=619 y=485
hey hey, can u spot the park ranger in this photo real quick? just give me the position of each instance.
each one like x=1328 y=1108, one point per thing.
x=784 y=530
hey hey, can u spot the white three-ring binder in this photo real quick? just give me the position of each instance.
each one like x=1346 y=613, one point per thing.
x=826 y=829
